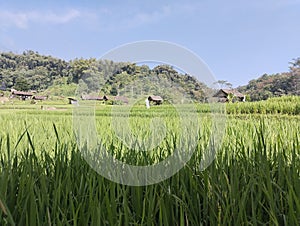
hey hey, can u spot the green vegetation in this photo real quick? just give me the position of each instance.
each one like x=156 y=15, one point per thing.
x=276 y=85
x=31 y=71
x=254 y=179
x=55 y=77
x=44 y=179
x=289 y=105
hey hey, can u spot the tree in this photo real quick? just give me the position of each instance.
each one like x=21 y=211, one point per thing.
x=21 y=84
x=114 y=91
x=229 y=85
x=295 y=64
x=78 y=68
x=31 y=70
x=224 y=84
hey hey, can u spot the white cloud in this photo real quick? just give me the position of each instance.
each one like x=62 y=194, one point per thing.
x=19 y=20
x=23 y=19
x=133 y=17
x=106 y=18
x=60 y=19
x=141 y=18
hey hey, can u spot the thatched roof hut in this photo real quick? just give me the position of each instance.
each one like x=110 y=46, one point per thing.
x=39 y=97
x=156 y=99
x=223 y=94
x=23 y=95
x=72 y=100
x=88 y=97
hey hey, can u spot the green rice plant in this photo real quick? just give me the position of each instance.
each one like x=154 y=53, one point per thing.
x=280 y=105
x=254 y=179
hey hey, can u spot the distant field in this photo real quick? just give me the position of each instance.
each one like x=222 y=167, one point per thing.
x=254 y=179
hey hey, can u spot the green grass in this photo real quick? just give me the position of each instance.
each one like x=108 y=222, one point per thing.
x=288 y=105
x=44 y=180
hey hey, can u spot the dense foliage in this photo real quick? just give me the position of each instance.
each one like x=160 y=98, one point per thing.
x=32 y=71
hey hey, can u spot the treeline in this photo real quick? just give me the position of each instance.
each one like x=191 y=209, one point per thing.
x=32 y=71
x=275 y=85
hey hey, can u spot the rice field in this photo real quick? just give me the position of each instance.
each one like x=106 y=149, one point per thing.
x=253 y=180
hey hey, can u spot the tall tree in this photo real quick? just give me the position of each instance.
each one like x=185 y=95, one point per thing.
x=21 y=84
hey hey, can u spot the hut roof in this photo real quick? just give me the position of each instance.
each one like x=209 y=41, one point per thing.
x=155 y=98
x=227 y=92
x=106 y=97
x=87 y=97
x=71 y=98
x=21 y=93
x=39 y=97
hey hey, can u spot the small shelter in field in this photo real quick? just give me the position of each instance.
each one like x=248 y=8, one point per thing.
x=121 y=99
x=22 y=95
x=88 y=97
x=72 y=101
x=157 y=100
x=106 y=98
x=39 y=97
x=223 y=95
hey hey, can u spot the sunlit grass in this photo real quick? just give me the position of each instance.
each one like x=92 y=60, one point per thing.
x=254 y=179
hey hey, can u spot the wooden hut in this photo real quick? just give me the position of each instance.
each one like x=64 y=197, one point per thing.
x=105 y=98
x=88 y=97
x=72 y=101
x=39 y=98
x=223 y=95
x=157 y=100
x=22 y=95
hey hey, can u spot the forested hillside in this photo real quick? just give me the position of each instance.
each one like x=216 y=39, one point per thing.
x=275 y=85
x=32 y=71
x=47 y=74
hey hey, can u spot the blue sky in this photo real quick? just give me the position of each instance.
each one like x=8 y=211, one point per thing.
x=239 y=40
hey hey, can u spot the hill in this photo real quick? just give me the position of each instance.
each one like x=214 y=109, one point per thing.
x=47 y=74
x=274 y=85
x=53 y=76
